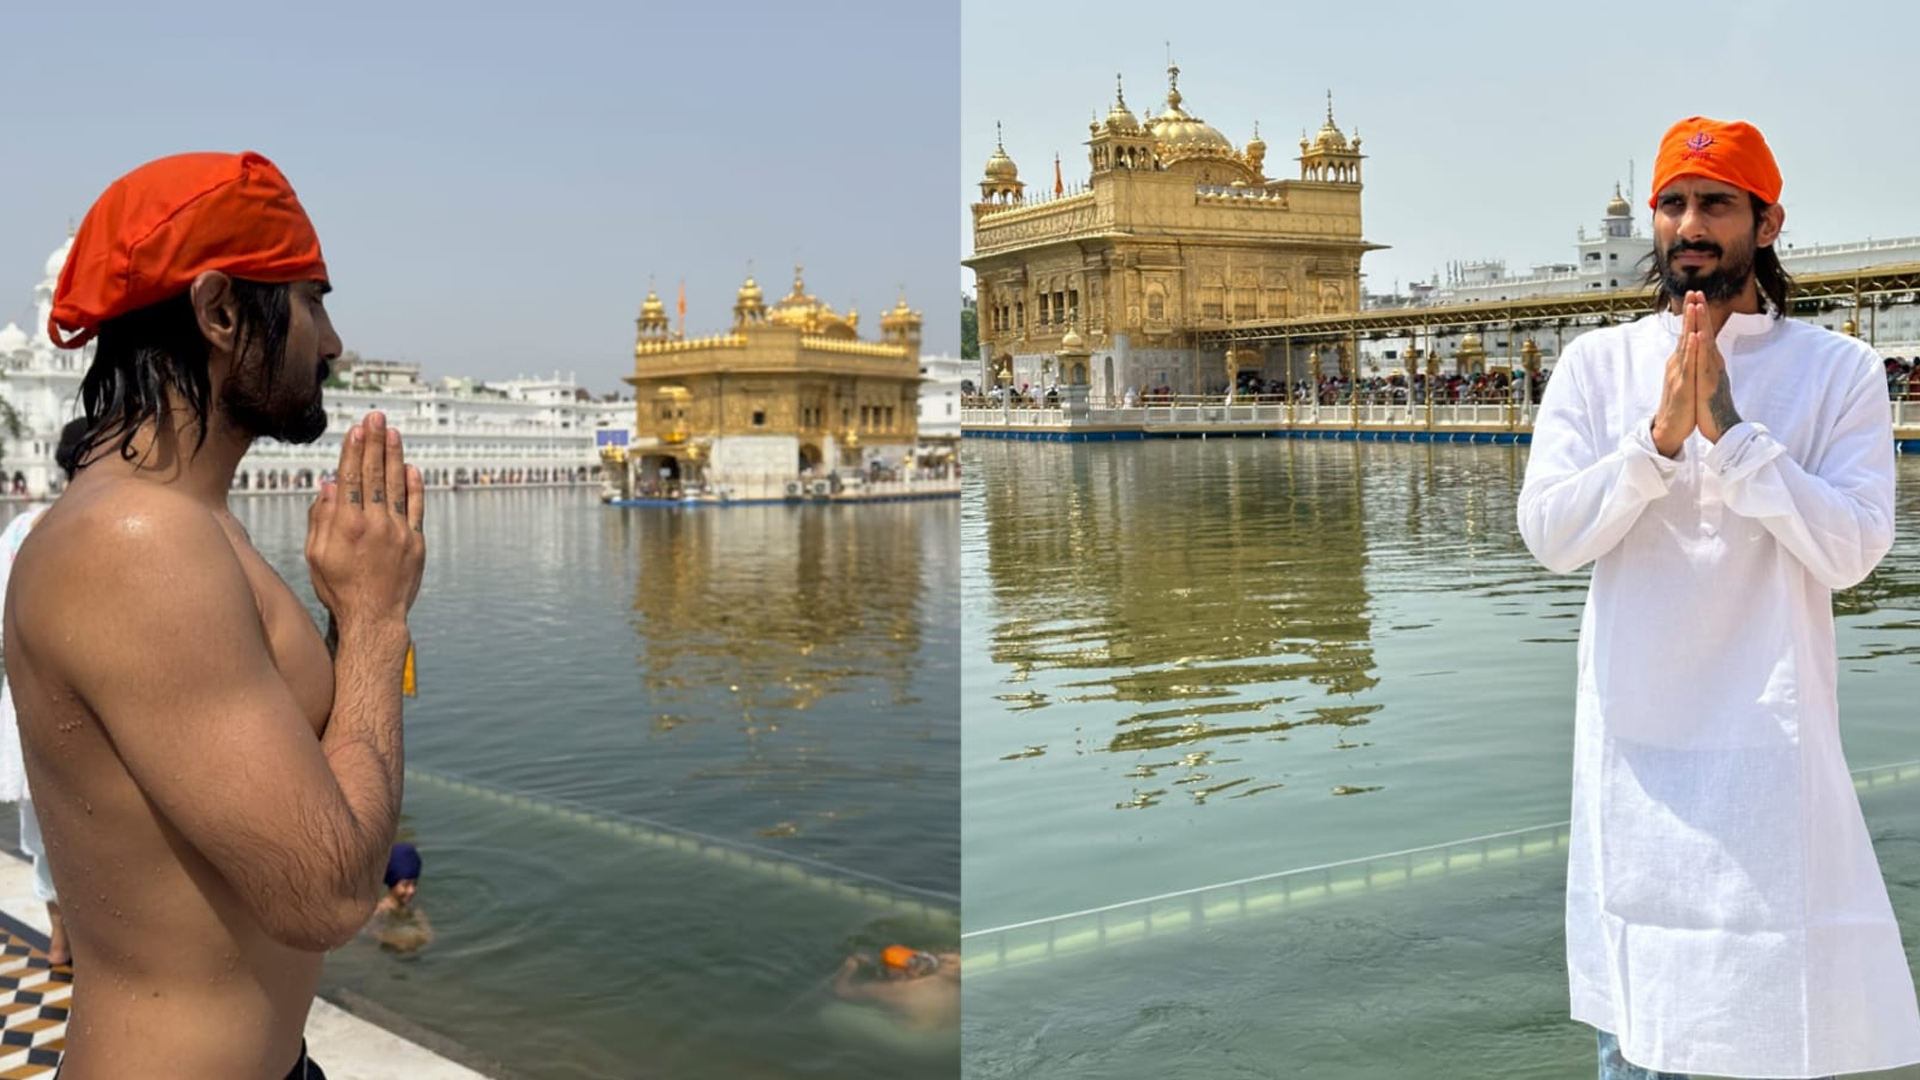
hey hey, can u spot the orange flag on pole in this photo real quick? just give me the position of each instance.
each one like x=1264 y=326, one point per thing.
x=683 y=309
x=1058 y=187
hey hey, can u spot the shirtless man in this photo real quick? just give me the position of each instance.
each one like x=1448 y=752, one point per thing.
x=921 y=988
x=217 y=793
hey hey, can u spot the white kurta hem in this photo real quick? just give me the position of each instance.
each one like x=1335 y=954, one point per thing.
x=1725 y=912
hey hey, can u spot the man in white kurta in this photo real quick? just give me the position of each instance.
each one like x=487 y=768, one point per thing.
x=1725 y=913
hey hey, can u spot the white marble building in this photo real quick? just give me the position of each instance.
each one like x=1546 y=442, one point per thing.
x=940 y=378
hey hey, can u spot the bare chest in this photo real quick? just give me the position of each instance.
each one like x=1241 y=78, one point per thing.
x=299 y=651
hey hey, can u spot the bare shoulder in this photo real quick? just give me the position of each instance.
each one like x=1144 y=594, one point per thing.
x=123 y=517
x=110 y=549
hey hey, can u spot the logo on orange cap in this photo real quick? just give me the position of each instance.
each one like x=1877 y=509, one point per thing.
x=167 y=222
x=1733 y=152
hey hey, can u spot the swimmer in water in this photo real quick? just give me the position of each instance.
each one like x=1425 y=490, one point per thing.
x=397 y=924
x=921 y=988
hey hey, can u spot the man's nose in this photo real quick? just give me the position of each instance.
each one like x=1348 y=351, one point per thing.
x=1693 y=224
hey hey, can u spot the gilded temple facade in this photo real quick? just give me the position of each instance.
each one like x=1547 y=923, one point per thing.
x=1175 y=232
x=789 y=392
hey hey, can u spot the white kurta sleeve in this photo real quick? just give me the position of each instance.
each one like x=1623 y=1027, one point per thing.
x=1581 y=496
x=1837 y=519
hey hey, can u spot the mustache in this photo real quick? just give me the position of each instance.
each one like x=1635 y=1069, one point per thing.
x=1703 y=247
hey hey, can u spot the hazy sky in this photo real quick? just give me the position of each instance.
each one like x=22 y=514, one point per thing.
x=492 y=183
x=1492 y=130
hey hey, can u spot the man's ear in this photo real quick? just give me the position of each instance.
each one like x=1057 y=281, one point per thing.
x=216 y=310
x=1772 y=220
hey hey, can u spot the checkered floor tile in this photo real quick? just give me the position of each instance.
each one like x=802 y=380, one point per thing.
x=33 y=1004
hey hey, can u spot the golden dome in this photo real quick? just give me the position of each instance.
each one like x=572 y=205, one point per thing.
x=1120 y=119
x=1330 y=137
x=1000 y=167
x=1257 y=145
x=1071 y=341
x=1180 y=133
x=808 y=314
x=653 y=314
x=749 y=304
x=1617 y=206
x=900 y=316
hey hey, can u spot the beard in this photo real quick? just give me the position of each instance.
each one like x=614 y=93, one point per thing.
x=287 y=412
x=1731 y=276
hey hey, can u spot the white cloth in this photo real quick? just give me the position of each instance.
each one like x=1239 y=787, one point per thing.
x=13 y=766
x=1725 y=913
x=35 y=846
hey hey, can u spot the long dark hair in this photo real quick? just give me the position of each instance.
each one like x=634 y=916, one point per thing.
x=143 y=357
x=1774 y=281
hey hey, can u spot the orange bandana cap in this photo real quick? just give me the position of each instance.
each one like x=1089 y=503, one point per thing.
x=167 y=222
x=1731 y=151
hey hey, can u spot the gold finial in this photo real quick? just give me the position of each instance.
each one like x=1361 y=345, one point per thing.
x=1119 y=91
x=1329 y=108
x=72 y=229
x=1173 y=80
x=799 y=286
x=999 y=142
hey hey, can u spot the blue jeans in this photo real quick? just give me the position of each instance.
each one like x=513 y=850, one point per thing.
x=1615 y=1067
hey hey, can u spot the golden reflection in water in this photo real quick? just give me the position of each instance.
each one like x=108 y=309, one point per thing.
x=756 y=615
x=1214 y=595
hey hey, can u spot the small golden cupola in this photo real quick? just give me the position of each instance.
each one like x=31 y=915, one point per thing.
x=1617 y=206
x=653 y=317
x=1257 y=152
x=749 y=305
x=1002 y=183
x=900 y=326
x=1330 y=157
x=1120 y=119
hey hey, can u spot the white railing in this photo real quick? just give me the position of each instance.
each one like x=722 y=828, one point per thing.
x=1269 y=413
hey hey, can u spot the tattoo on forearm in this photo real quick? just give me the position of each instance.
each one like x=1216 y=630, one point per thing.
x=1721 y=405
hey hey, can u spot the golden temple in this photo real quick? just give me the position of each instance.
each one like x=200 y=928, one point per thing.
x=788 y=392
x=1175 y=234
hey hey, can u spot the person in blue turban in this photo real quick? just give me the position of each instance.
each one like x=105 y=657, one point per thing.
x=398 y=923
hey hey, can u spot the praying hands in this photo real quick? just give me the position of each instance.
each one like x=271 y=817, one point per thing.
x=1698 y=394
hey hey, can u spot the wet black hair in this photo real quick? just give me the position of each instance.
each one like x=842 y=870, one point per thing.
x=64 y=451
x=144 y=356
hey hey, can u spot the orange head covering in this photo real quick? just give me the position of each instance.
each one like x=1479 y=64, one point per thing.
x=1733 y=152
x=165 y=223
x=897 y=956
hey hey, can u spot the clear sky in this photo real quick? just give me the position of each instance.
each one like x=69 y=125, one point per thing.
x=1491 y=129
x=494 y=183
